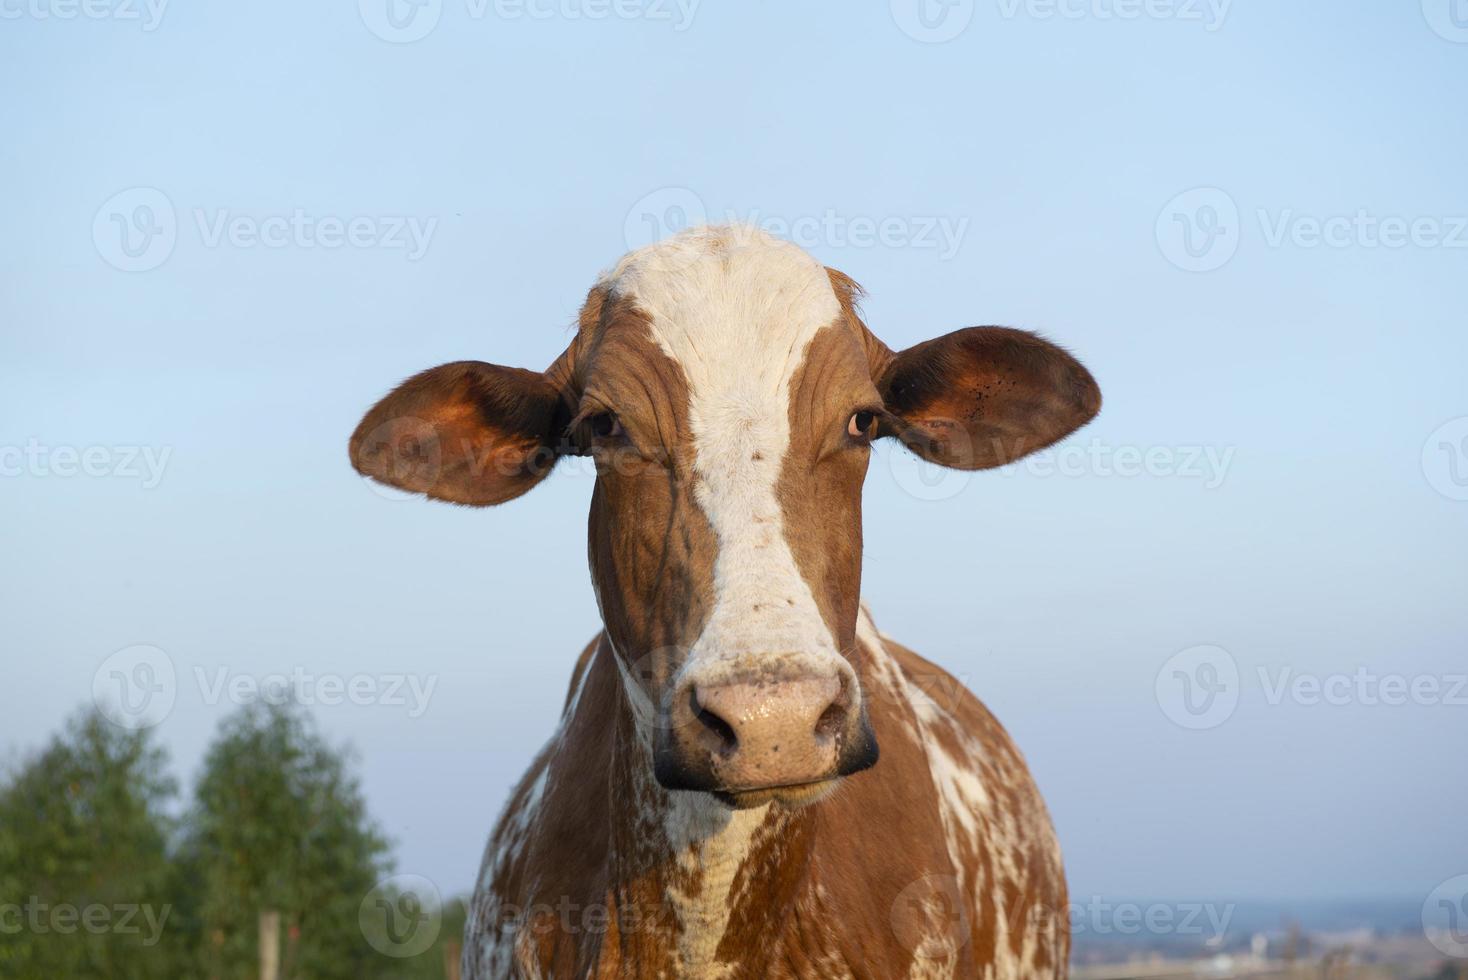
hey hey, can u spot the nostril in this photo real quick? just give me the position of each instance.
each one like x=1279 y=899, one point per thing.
x=831 y=721
x=723 y=735
x=717 y=734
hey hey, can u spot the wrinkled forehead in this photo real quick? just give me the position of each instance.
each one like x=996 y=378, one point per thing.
x=735 y=310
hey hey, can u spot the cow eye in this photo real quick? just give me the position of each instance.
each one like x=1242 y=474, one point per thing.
x=605 y=425
x=862 y=425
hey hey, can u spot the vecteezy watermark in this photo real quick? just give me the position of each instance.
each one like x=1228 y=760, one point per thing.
x=1200 y=230
x=1445 y=917
x=1099 y=917
x=1362 y=229
x=930 y=917
x=300 y=686
x=1448 y=19
x=566 y=916
x=406 y=21
x=1209 y=13
x=932 y=21
x=136 y=230
x=929 y=691
x=1362 y=687
x=1207 y=465
x=402 y=915
x=148 y=13
x=662 y=213
x=37 y=459
x=298 y=229
x=935 y=232
x=400 y=21
x=1198 y=688
x=135 y=687
x=121 y=919
x=1445 y=459
x=669 y=210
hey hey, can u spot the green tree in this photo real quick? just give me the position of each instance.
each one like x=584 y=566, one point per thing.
x=279 y=827
x=85 y=885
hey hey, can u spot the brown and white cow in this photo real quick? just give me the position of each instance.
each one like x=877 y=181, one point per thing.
x=712 y=804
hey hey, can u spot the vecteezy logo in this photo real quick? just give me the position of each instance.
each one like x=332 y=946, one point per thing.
x=664 y=212
x=135 y=230
x=402 y=452
x=921 y=479
x=932 y=21
x=1198 y=231
x=929 y=917
x=402 y=915
x=400 y=21
x=1445 y=459
x=1445 y=917
x=135 y=687
x=1198 y=687
x=1448 y=19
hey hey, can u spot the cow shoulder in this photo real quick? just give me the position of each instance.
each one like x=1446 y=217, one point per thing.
x=996 y=827
x=548 y=848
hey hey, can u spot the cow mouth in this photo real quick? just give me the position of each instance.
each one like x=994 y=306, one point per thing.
x=793 y=796
x=853 y=755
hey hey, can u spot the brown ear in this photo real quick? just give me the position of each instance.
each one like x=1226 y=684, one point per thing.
x=466 y=432
x=985 y=396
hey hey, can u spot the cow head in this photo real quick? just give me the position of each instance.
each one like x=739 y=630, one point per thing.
x=729 y=394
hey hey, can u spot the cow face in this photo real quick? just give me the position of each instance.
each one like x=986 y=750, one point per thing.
x=729 y=394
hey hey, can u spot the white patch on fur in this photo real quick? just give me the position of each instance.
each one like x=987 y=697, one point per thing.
x=963 y=797
x=707 y=841
x=737 y=309
x=713 y=841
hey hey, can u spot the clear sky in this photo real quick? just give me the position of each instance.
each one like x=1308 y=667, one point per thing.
x=231 y=227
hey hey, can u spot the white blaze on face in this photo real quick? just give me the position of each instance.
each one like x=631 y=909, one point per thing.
x=736 y=309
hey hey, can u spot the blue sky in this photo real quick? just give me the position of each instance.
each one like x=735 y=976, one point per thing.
x=1246 y=218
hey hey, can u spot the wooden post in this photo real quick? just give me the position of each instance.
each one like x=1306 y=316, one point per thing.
x=452 y=951
x=269 y=944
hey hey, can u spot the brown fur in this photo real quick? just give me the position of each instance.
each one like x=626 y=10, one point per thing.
x=816 y=899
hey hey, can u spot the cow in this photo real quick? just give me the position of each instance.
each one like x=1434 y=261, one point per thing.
x=712 y=803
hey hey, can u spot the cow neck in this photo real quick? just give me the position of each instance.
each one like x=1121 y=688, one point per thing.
x=714 y=883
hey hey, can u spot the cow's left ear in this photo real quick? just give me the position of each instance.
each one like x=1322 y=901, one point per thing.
x=985 y=396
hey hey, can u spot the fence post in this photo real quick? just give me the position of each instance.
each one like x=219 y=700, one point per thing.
x=452 y=951
x=269 y=944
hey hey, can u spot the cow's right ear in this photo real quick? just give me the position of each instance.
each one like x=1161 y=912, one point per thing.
x=467 y=432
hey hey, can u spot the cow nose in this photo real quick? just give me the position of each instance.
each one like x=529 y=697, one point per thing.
x=766 y=734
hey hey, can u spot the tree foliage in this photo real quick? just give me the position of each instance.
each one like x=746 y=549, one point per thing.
x=279 y=823
x=97 y=880
x=86 y=889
